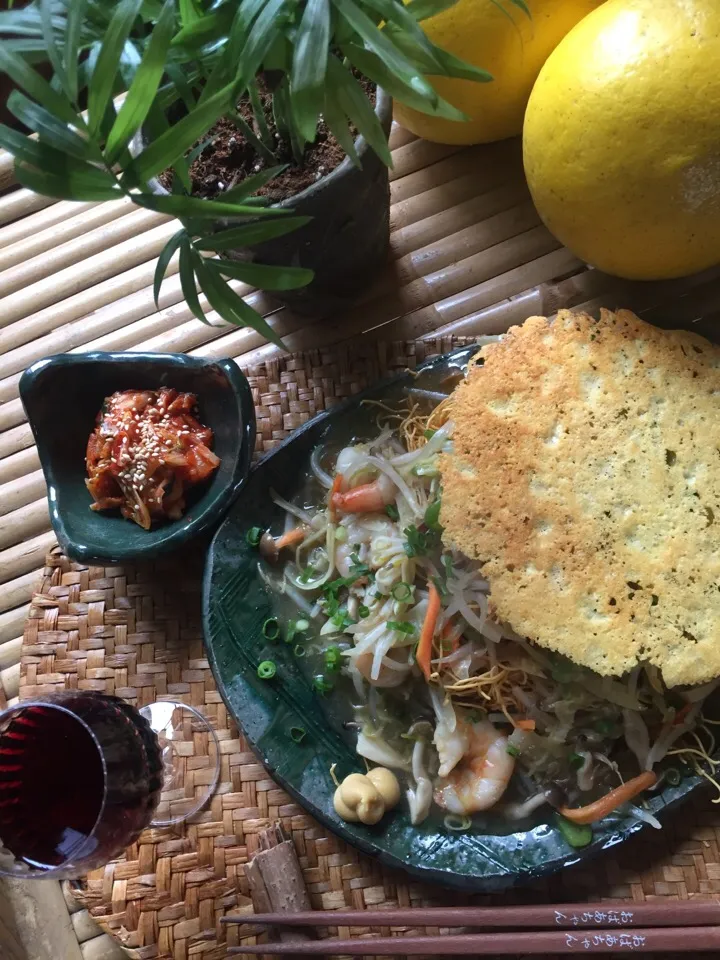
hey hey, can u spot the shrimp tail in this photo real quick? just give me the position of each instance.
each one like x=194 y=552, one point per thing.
x=365 y=498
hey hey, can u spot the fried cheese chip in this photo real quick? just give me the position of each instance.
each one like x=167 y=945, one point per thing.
x=585 y=476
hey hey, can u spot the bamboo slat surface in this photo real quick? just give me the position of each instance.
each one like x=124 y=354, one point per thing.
x=468 y=256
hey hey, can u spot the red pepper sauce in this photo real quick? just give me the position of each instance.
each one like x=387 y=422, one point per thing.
x=146 y=452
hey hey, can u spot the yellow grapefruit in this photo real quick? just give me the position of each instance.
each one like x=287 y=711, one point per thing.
x=622 y=138
x=499 y=37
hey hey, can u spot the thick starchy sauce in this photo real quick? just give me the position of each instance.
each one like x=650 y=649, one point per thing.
x=146 y=451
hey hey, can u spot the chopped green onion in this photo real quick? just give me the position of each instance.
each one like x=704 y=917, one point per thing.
x=457 y=824
x=322 y=685
x=426 y=469
x=340 y=534
x=303 y=625
x=576 y=761
x=420 y=542
x=673 y=776
x=605 y=727
x=402 y=591
x=432 y=516
x=254 y=536
x=441 y=586
x=266 y=669
x=429 y=434
x=404 y=627
x=297 y=734
x=447 y=561
x=363 y=611
x=332 y=604
x=576 y=834
x=416 y=542
x=341 y=619
x=512 y=750
x=271 y=629
x=392 y=511
x=333 y=658
x=357 y=569
x=299 y=650
x=308 y=574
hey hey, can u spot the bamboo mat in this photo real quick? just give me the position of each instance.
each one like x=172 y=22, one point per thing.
x=469 y=256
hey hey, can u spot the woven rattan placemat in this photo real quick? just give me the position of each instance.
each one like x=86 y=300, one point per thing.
x=136 y=632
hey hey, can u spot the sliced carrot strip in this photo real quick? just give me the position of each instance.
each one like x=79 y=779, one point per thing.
x=525 y=724
x=605 y=805
x=681 y=714
x=454 y=633
x=289 y=539
x=337 y=486
x=423 y=653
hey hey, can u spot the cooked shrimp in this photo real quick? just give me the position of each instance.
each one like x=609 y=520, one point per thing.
x=352 y=460
x=451 y=737
x=451 y=744
x=367 y=497
x=481 y=777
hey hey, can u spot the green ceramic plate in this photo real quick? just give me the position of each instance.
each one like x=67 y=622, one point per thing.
x=490 y=855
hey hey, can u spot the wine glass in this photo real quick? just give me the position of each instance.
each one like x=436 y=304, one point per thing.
x=82 y=774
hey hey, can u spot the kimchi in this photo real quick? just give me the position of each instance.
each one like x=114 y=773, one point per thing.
x=146 y=452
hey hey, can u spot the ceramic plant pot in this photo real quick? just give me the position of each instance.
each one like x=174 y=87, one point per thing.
x=347 y=240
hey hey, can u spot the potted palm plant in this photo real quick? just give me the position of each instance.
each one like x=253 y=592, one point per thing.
x=261 y=125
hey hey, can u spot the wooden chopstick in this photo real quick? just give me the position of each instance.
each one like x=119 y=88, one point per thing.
x=580 y=916
x=675 y=940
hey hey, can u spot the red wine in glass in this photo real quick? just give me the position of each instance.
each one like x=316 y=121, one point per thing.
x=82 y=774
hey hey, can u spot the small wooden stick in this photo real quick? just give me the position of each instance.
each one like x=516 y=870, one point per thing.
x=93 y=269
x=276 y=881
x=74 y=224
x=71 y=253
x=417 y=155
x=12 y=623
x=17 y=493
x=26 y=556
x=19 y=464
x=399 y=136
x=17 y=592
x=27 y=521
x=20 y=203
x=58 y=212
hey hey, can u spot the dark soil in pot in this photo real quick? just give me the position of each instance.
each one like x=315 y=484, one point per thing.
x=346 y=242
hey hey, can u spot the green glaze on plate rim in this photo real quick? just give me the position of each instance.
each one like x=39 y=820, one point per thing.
x=490 y=856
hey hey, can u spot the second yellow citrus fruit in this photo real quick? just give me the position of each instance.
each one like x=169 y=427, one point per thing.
x=502 y=39
x=622 y=138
